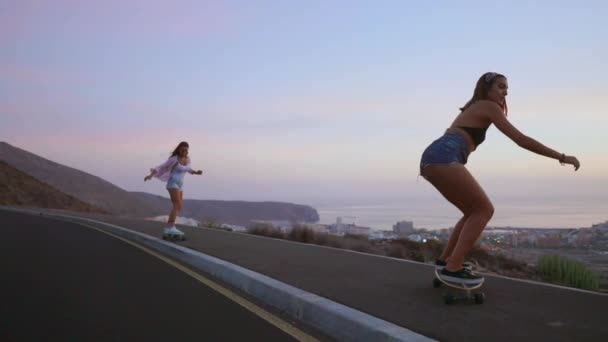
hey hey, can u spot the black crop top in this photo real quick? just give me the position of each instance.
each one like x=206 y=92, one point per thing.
x=478 y=134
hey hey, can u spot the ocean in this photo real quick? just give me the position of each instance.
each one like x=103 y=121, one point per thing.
x=436 y=214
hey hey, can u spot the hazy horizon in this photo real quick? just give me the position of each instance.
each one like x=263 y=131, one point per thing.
x=288 y=102
x=429 y=210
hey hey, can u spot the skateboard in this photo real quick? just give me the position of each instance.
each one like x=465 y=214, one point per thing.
x=174 y=237
x=469 y=296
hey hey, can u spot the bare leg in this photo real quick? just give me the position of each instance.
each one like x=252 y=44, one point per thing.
x=449 y=248
x=177 y=205
x=459 y=187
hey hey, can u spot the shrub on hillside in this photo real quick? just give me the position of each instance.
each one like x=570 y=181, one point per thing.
x=264 y=229
x=303 y=234
x=563 y=270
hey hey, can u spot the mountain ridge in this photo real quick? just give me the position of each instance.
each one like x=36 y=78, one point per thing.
x=22 y=190
x=110 y=198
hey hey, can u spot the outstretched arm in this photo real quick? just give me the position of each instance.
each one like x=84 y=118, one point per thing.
x=191 y=171
x=152 y=173
x=500 y=121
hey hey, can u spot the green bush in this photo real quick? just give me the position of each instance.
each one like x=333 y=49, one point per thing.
x=567 y=271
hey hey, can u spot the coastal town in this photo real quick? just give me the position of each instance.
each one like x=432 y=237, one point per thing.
x=588 y=245
x=493 y=238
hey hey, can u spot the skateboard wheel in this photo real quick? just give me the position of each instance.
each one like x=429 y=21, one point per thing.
x=479 y=298
x=449 y=299
x=436 y=283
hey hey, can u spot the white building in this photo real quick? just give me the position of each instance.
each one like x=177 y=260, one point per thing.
x=356 y=230
x=415 y=237
x=317 y=228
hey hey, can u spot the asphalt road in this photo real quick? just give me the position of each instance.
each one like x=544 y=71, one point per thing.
x=63 y=282
x=401 y=292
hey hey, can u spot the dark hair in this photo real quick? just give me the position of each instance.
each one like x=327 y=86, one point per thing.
x=482 y=87
x=176 y=151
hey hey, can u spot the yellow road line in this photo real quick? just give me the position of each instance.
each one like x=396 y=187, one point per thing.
x=265 y=315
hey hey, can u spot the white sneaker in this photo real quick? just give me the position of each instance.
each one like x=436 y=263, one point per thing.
x=172 y=231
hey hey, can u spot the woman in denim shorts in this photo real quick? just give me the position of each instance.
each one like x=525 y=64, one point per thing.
x=443 y=165
x=173 y=171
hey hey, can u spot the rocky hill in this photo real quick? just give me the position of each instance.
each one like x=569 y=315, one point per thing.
x=108 y=197
x=84 y=186
x=234 y=212
x=22 y=190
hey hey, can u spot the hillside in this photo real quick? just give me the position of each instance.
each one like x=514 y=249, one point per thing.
x=86 y=187
x=102 y=194
x=234 y=212
x=19 y=189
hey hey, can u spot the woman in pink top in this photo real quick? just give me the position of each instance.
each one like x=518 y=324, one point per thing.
x=172 y=171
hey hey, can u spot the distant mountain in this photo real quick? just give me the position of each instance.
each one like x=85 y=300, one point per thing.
x=86 y=187
x=108 y=197
x=22 y=190
x=235 y=212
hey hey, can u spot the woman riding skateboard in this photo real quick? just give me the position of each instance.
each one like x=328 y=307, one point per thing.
x=173 y=171
x=443 y=165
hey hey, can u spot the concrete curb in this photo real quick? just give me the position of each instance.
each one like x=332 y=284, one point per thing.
x=336 y=320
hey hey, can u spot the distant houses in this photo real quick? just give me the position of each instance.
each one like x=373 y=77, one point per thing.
x=348 y=228
x=595 y=237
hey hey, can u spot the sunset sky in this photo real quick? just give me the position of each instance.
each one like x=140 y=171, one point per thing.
x=301 y=100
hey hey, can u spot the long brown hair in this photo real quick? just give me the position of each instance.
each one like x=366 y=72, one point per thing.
x=482 y=87
x=176 y=151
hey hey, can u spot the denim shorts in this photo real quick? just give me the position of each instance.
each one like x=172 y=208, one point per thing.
x=175 y=183
x=450 y=148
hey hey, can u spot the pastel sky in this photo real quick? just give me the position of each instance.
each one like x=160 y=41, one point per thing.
x=299 y=100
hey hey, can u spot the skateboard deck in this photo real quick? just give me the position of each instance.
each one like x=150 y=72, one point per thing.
x=448 y=298
x=174 y=237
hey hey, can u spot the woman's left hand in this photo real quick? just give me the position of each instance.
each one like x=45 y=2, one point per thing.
x=199 y=172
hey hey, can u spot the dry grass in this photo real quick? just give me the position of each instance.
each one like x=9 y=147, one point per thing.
x=411 y=250
x=400 y=248
x=266 y=230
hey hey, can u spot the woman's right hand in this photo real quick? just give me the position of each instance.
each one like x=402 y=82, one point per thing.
x=572 y=161
x=147 y=178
